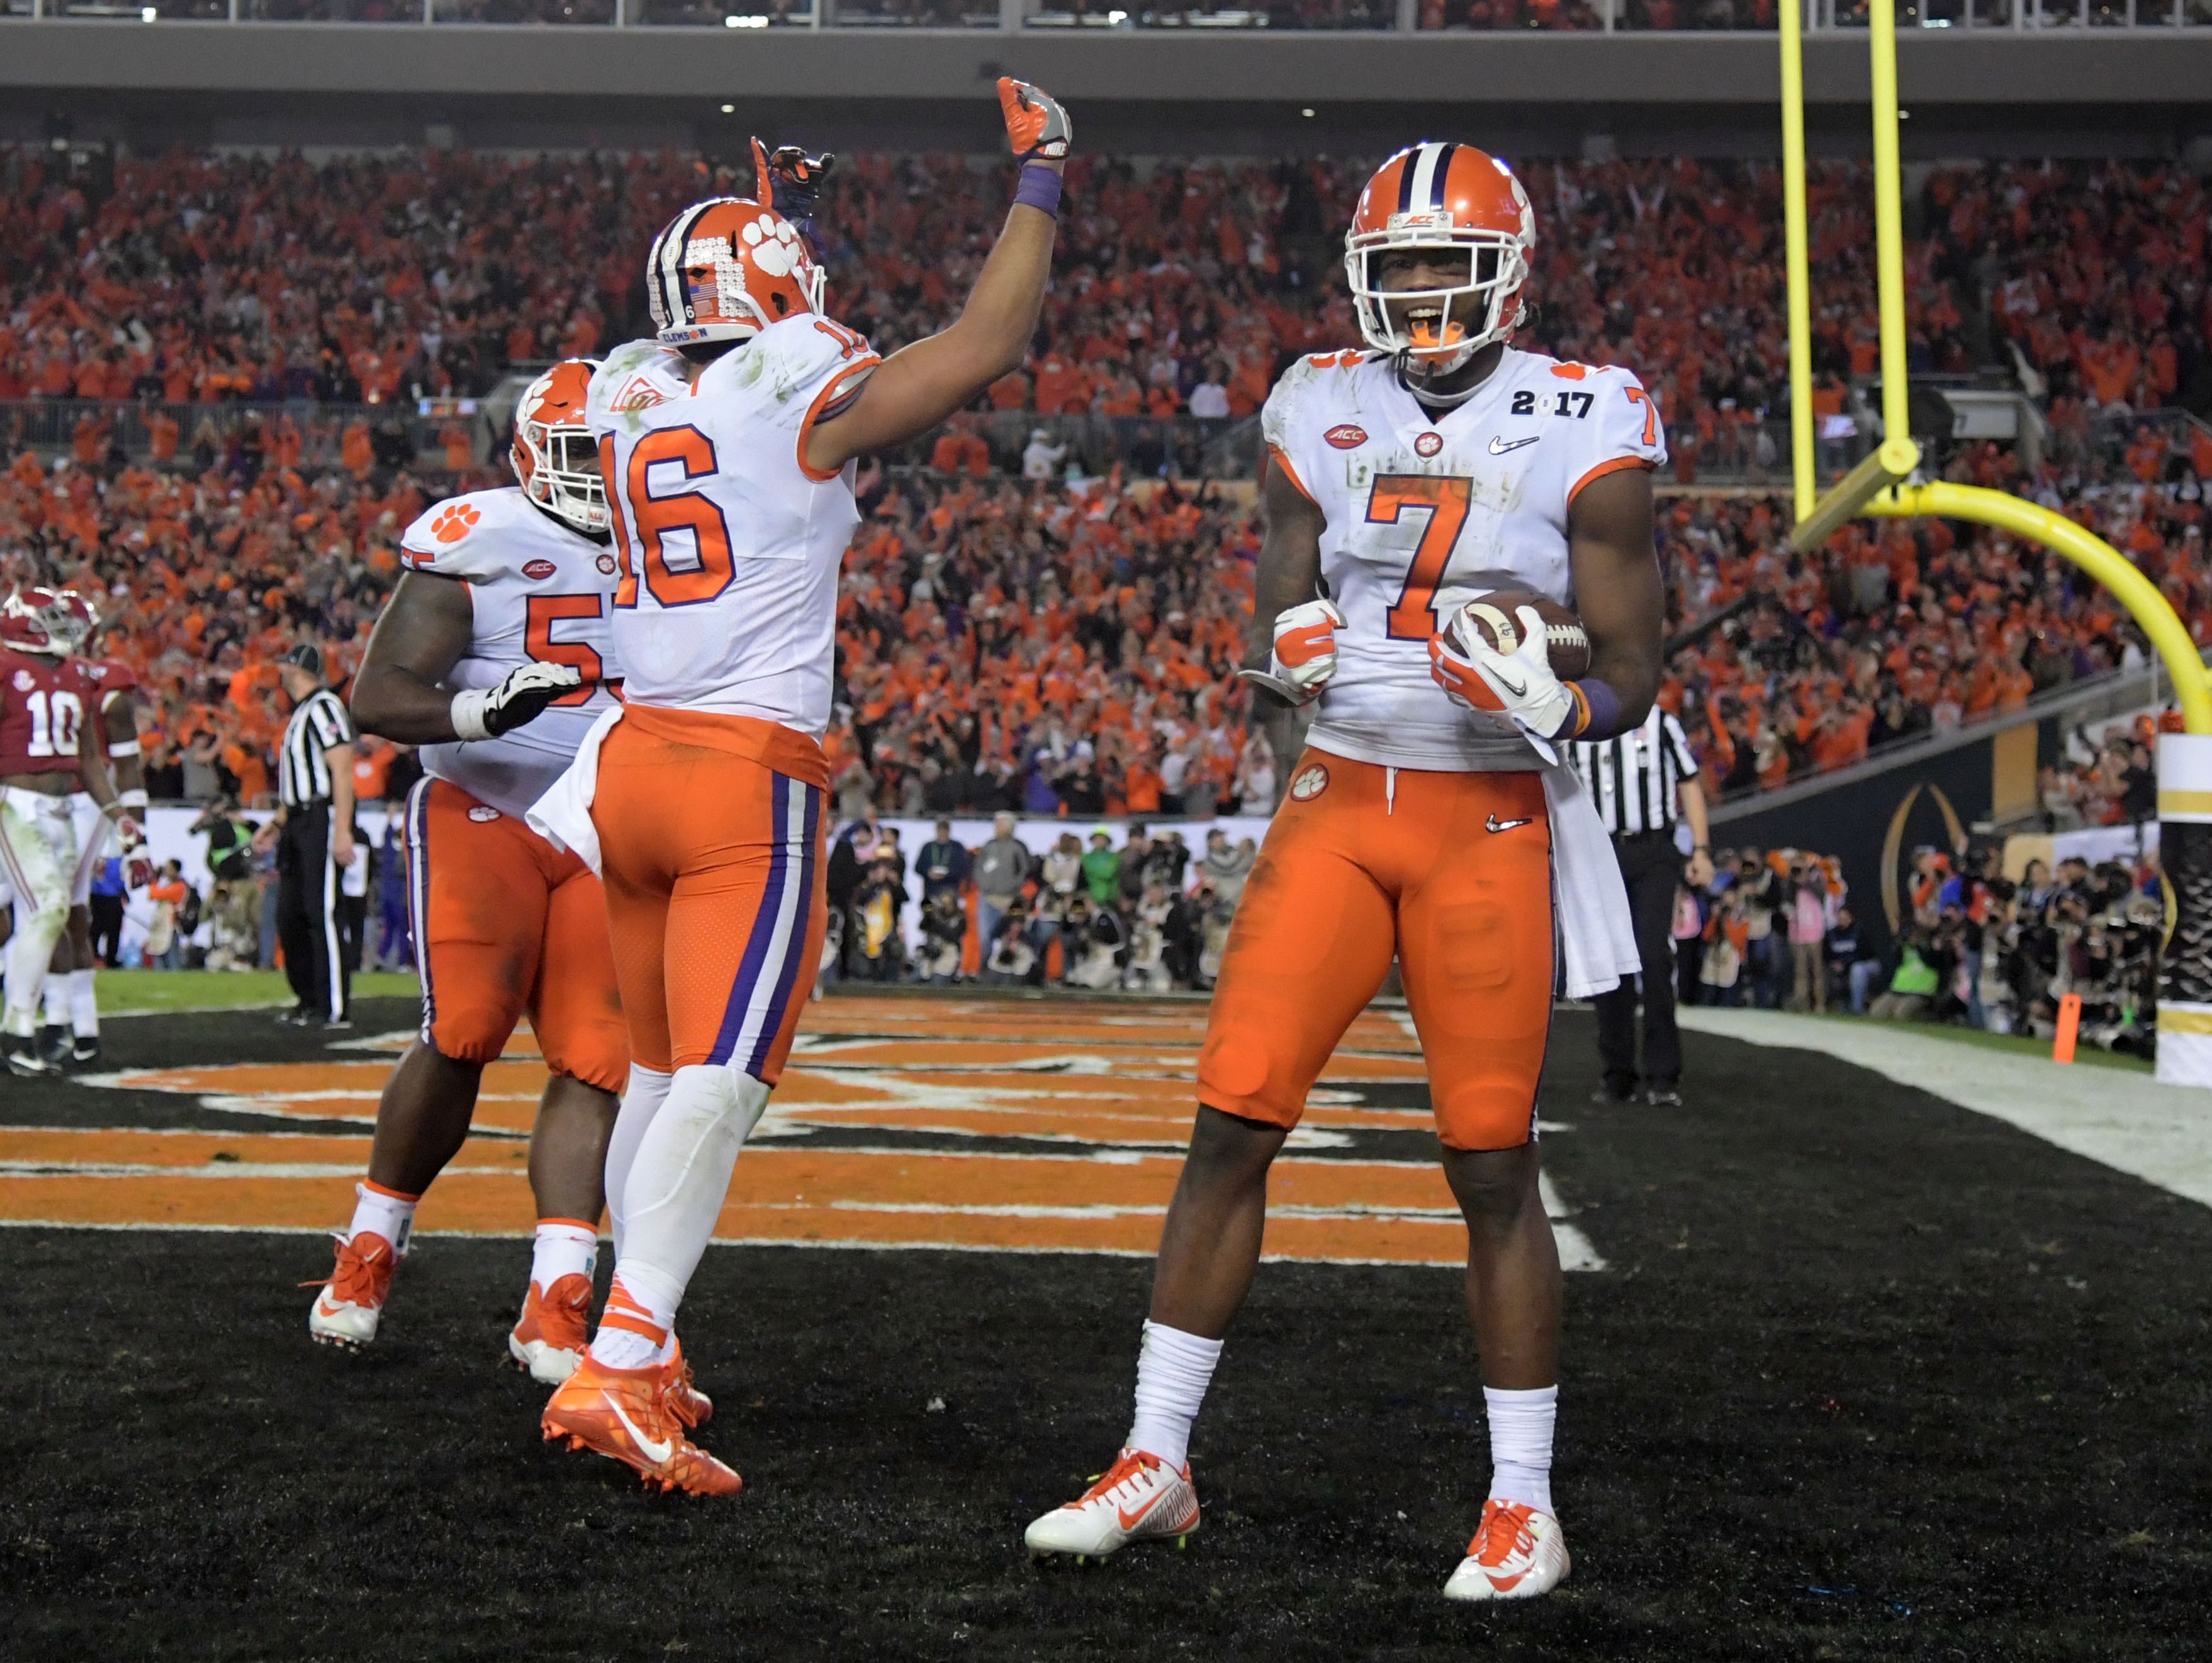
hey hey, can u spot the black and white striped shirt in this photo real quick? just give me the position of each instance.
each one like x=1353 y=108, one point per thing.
x=1634 y=778
x=303 y=775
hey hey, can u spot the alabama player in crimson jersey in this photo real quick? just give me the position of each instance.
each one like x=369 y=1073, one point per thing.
x=47 y=749
x=1427 y=819
x=728 y=444
x=113 y=706
x=494 y=656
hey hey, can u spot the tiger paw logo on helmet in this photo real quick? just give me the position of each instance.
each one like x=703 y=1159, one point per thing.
x=456 y=522
x=775 y=245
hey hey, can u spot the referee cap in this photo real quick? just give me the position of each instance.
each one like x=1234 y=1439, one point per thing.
x=306 y=656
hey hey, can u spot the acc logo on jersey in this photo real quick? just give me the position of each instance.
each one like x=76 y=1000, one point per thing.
x=606 y=565
x=1346 y=436
x=537 y=569
x=1309 y=783
x=456 y=522
x=1428 y=444
x=483 y=816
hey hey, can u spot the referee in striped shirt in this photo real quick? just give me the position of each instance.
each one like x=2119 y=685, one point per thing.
x=1644 y=783
x=313 y=832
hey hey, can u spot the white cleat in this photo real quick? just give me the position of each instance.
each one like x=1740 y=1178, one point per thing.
x=1517 y=1553
x=346 y=1312
x=1138 y=1496
x=548 y=1339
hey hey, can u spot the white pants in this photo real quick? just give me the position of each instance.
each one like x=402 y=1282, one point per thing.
x=94 y=832
x=39 y=852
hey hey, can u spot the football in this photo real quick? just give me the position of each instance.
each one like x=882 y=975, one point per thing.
x=1495 y=618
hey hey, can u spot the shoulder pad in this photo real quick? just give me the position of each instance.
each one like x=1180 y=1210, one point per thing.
x=460 y=537
x=633 y=378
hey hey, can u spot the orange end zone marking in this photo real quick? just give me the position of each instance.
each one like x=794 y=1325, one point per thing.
x=1108 y=1085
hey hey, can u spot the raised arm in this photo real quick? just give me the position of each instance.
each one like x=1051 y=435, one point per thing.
x=919 y=385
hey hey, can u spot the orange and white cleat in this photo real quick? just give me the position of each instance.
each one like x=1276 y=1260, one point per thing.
x=549 y=1339
x=685 y=1401
x=1139 y=1496
x=346 y=1310
x=1517 y=1553
x=625 y=1414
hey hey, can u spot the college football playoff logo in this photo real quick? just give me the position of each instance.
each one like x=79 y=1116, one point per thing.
x=1309 y=783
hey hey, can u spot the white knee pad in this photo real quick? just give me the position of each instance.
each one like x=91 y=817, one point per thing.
x=643 y=1093
x=680 y=1173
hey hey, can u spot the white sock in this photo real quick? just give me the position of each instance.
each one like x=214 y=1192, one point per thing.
x=386 y=1211
x=636 y=1327
x=563 y=1246
x=1173 y=1371
x=84 y=1005
x=642 y=1096
x=1520 y=1445
x=673 y=1193
x=58 y=999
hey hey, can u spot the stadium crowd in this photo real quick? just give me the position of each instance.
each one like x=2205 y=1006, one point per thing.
x=1048 y=643
x=1776 y=930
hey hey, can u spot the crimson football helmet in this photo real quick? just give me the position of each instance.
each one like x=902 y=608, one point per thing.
x=554 y=459
x=1441 y=197
x=54 y=621
x=726 y=269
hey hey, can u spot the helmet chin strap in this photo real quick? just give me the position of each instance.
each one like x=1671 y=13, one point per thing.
x=1417 y=384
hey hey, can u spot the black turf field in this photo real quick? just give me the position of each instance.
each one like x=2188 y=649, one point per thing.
x=1869 y=1377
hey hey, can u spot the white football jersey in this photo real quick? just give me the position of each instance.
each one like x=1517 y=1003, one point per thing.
x=730 y=543
x=539 y=590
x=1425 y=512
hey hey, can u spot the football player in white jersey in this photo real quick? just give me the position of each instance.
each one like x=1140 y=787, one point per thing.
x=494 y=656
x=1402 y=481
x=728 y=444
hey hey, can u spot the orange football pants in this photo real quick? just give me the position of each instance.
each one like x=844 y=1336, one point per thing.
x=1452 y=872
x=710 y=840
x=505 y=923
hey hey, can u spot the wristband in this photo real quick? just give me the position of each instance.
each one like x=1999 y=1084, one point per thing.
x=1600 y=709
x=129 y=747
x=467 y=713
x=1039 y=188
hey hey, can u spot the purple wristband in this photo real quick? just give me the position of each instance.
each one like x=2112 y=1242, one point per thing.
x=1604 y=710
x=1039 y=188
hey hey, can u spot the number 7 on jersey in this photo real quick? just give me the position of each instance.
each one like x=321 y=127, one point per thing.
x=1413 y=616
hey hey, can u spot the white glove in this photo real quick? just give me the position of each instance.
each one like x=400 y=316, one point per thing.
x=485 y=712
x=1304 y=656
x=1519 y=684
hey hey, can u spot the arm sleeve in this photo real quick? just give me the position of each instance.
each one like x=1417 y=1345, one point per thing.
x=1624 y=428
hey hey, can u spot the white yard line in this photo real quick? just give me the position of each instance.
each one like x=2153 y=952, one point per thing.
x=2161 y=1134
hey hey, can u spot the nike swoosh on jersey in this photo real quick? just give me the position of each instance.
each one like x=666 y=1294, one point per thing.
x=655 y=1452
x=1497 y=825
x=1499 y=444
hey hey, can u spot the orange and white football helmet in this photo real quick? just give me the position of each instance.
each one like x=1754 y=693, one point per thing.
x=556 y=460
x=724 y=270
x=1440 y=195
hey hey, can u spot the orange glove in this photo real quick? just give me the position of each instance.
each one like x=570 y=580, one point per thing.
x=1036 y=127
